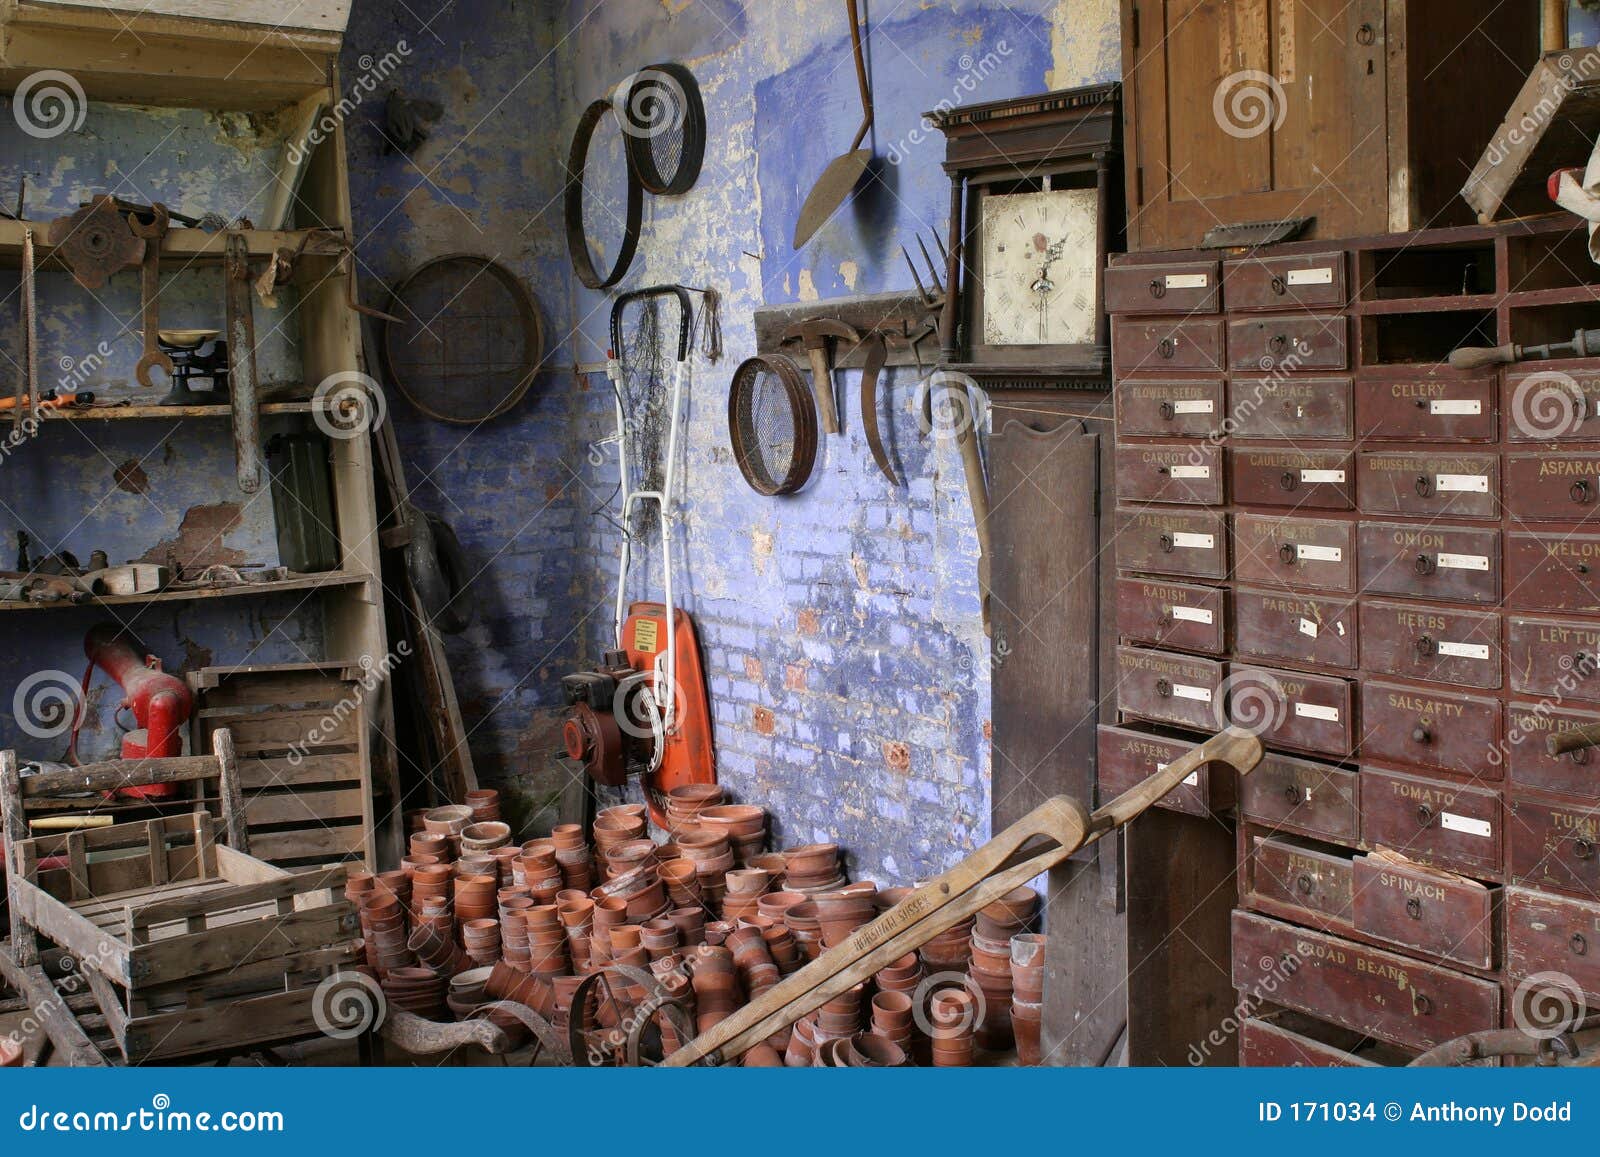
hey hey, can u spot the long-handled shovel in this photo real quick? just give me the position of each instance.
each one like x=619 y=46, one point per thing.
x=844 y=171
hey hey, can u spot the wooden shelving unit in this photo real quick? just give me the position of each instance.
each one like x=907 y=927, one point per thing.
x=237 y=56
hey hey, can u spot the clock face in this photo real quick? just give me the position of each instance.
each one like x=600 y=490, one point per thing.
x=1039 y=257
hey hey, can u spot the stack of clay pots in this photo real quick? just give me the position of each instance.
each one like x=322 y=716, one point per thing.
x=712 y=857
x=838 y=1019
x=990 y=962
x=742 y=892
x=812 y=868
x=416 y=989
x=744 y=824
x=841 y=913
x=485 y=805
x=573 y=857
x=1027 y=993
x=892 y=1019
x=953 y=1014
x=686 y=803
x=951 y=950
x=805 y=926
x=718 y=991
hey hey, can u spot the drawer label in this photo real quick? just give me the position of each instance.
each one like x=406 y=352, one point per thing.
x=1463 y=562
x=1187 y=691
x=1188 y=280
x=1322 y=475
x=1442 y=407
x=1192 y=615
x=1466 y=825
x=1194 y=406
x=1190 y=780
x=1191 y=541
x=1464 y=650
x=1462 y=483
x=1322 y=275
x=1307 y=627
x=1311 y=553
x=1316 y=711
x=1191 y=471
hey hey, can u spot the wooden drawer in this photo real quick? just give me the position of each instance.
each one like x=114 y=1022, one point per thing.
x=1553 y=571
x=1529 y=763
x=1429 y=727
x=1431 y=485
x=1316 y=554
x=1552 y=405
x=1188 y=544
x=1290 y=709
x=1559 y=657
x=1433 y=643
x=1551 y=486
x=1432 y=562
x=1169 y=287
x=1452 y=826
x=1168 y=688
x=1437 y=913
x=1188 y=473
x=1313 y=629
x=1546 y=933
x=1162 y=345
x=1304 y=796
x=1427 y=409
x=1285 y=1039
x=1294 y=343
x=1554 y=845
x=1290 y=409
x=1176 y=615
x=1192 y=408
x=1395 y=998
x=1311 y=881
x=1301 y=479
x=1127 y=758
x=1311 y=281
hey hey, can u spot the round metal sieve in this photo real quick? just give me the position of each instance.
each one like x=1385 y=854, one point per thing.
x=772 y=424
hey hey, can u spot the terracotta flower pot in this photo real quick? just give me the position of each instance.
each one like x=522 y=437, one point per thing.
x=1025 y=1019
x=448 y=820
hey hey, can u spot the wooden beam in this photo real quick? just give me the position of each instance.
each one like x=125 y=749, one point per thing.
x=71 y=931
x=51 y=1010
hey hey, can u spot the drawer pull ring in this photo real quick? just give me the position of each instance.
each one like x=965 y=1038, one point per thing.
x=1292 y=794
x=1421 y=1005
x=1583 y=849
x=1424 y=815
x=1420 y=734
x=1161 y=470
x=1581 y=755
x=1414 y=908
x=1423 y=485
x=1279 y=286
x=1287 y=480
x=1163 y=688
x=1290 y=963
x=1288 y=553
x=1277 y=343
x=1166 y=544
x=1304 y=884
x=1158 y=288
x=1580 y=945
x=1168 y=411
x=1424 y=646
x=1366 y=36
x=1423 y=564
x=1579 y=491
x=1167 y=348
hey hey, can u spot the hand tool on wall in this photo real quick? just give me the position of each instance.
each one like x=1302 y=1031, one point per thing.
x=241 y=326
x=934 y=293
x=877 y=356
x=151 y=232
x=50 y=400
x=817 y=337
x=844 y=171
x=95 y=242
x=1041 y=839
x=28 y=376
x=1585 y=343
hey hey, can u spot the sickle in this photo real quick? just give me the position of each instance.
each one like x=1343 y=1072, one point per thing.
x=877 y=357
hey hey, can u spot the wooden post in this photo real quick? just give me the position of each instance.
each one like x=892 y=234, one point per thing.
x=233 y=816
x=1554 y=36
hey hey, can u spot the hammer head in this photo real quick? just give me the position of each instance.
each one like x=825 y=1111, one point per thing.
x=817 y=334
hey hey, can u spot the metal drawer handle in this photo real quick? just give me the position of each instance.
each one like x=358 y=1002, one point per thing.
x=1277 y=343
x=1303 y=882
x=1166 y=543
x=1161 y=470
x=1421 y=1005
x=1423 y=564
x=1580 y=946
x=1423 y=486
x=1167 y=348
x=1288 y=480
x=1583 y=849
x=1420 y=734
x=1414 y=908
x=1288 y=553
x=1579 y=491
x=1424 y=646
x=1292 y=794
x=1279 y=286
x=1290 y=963
x=1366 y=36
x=1582 y=662
x=1581 y=755
x=1424 y=815
x=1163 y=688
x=1158 y=287
x=1168 y=411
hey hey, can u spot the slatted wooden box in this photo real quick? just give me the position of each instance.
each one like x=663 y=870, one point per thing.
x=189 y=946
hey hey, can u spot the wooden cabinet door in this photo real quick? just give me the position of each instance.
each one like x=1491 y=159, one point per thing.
x=1212 y=145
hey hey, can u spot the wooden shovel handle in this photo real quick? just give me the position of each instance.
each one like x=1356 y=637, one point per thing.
x=861 y=75
x=1480 y=357
x=1573 y=739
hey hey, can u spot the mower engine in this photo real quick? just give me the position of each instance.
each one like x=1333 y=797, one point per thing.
x=603 y=710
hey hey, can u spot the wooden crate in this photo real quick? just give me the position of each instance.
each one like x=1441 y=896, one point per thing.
x=189 y=946
x=301 y=734
x=1381 y=108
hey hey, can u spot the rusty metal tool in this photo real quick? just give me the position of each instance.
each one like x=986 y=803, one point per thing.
x=28 y=376
x=932 y=294
x=151 y=233
x=95 y=242
x=843 y=173
x=241 y=323
x=817 y=337
x=1585 y=343
x=871 y=370
x=1043 y=838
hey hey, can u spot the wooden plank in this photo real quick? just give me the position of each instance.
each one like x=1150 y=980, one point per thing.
x=327 y=843
x=281 y=1016
x=16 y=838
x=157 y=838
x=251 y=979
x=237 y=896
x=281 y=730
x=233 y=817
x=106 y=999
x=291 y=170
x=311 y=24
x=163 y=961
x=306 y=807
x=70 y=930
x=238 y=868
x=260 y=771
x=77 y=865
x=53 y=1012
x=270 y=686
x=114 y=773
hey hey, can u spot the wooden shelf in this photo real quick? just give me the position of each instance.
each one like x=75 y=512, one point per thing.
x=311 y=582
x=181 y=245
x=161 y=413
